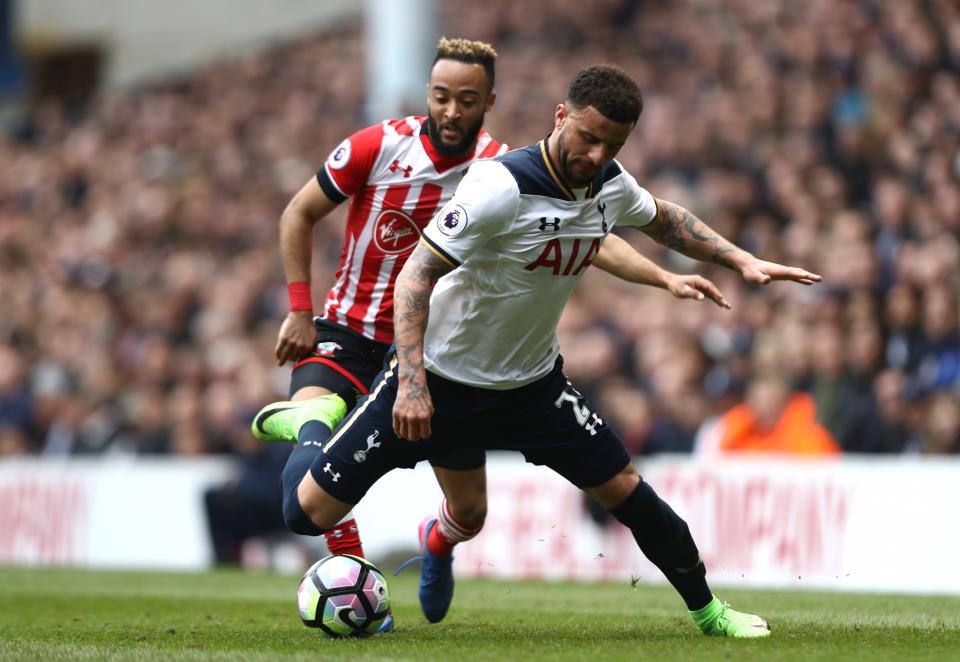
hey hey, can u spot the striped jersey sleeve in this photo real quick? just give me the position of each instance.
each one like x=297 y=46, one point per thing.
x=348 y=167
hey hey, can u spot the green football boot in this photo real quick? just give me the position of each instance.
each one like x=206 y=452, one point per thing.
x=281 y=421
x=718 y=619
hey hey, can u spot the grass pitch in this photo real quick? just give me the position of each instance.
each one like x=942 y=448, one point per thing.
x=231 y=615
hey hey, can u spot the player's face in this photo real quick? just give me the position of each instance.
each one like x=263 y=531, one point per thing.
x=458 y=96
x=586 y=141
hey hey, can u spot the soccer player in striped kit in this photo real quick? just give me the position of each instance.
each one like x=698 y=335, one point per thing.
x=399 y=173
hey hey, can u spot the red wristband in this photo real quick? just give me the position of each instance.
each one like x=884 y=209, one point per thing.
x=300 y=297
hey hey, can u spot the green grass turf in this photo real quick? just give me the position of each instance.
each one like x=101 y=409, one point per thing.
x=230 y=615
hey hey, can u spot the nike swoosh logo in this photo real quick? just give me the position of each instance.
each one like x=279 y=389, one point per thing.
x=267 y=414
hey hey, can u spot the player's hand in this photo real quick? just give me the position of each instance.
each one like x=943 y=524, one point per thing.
x=296 y=338
x=413 y=409
x=695 y=287
x=761 y=272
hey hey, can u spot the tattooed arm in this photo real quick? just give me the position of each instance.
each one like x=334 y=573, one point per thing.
x=411 y=299
x=677 y=228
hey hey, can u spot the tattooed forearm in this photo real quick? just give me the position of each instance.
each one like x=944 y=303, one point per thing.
x=412 y=306
x=678 y=229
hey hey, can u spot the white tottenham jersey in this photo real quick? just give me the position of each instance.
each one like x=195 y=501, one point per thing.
x=519 y=240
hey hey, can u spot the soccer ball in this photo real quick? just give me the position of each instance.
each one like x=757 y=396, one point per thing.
x=343 y=595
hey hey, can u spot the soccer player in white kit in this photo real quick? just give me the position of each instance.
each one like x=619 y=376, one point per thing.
x=477 y=363
x=398 y=173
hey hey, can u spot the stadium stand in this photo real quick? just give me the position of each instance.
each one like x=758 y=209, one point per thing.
x=140 y=286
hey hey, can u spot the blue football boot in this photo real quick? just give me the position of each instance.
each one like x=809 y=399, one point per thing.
x=387 y=625
x=436 y=577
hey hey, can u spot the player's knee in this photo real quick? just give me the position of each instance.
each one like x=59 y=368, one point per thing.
x=296 y=519
x=618 y=489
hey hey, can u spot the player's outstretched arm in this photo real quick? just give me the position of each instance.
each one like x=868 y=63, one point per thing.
x=413 y=407
x=309 y=205
x=677 y=228
x=620 y=259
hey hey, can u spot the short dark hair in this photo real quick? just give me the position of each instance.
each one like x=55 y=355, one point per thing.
x=470 y=52
x=610 y=90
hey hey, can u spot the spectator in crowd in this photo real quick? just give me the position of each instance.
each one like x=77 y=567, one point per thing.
x=829 y=386
x=248 y=507
x=904 y=337
x=772 y=419
x=941 y=433
x=16 y=402
x=939 y=366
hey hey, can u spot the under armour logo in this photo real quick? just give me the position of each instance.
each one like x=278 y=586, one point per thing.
x=591 y=425
x=602 y=208
x=406 y=170
x=328 y=470
x=361 y=456
x=554 y=224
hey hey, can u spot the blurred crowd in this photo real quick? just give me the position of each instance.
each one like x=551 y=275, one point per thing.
x=140 y=282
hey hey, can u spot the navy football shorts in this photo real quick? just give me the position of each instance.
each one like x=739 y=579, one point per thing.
x=346 y=362
x=548 y=421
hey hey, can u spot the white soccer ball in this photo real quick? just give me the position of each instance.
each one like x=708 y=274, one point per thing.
x=343 y=595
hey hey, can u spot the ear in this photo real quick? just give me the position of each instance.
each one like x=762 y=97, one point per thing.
x=491 y=99
x=559 y=115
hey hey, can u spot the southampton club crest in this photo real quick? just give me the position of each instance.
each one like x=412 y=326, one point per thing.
x=326 y=348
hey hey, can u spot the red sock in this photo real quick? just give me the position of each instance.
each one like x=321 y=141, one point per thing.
x=344 y=538
x=437 y=544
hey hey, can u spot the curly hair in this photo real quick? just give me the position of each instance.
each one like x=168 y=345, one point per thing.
x=471 y=52
x=610 y=90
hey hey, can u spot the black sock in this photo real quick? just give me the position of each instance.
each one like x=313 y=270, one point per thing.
x=665 y=539
x=313 y=435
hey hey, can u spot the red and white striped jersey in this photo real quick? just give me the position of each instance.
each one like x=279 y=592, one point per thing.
x=398 y=181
